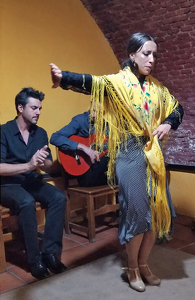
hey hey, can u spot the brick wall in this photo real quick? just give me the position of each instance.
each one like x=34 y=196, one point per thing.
x=172 y=22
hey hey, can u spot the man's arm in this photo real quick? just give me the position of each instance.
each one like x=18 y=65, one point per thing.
x=14 y=169
x=37 y=160
x=79 y=123
x=61 y=139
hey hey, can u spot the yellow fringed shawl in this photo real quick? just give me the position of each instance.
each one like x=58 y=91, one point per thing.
x=130 y=109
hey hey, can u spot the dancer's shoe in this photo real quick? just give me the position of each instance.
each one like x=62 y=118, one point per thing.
x=136 y=284
x=150 y=279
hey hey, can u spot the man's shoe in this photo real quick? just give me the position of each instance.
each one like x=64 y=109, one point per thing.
x=53 y=263
x=39 y=270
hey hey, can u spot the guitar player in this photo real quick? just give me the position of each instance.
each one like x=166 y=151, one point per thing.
x=79 y=126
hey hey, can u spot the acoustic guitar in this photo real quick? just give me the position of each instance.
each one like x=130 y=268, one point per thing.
x=78 y=162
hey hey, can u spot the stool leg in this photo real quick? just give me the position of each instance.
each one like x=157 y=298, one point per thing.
x=2 y=250
x=91 y=218
x=67 y=215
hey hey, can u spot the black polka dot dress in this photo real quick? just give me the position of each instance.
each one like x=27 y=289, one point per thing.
x=134 y=203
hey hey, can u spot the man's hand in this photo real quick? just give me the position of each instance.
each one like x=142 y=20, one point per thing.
x=56 y=75
x=38 y=158
x=162 y=131
x=94 y=155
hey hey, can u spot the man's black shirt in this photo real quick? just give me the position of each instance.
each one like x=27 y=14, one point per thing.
x=15 y=151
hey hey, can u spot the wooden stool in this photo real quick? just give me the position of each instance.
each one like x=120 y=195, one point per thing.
x=89 y=208
x=9 y=226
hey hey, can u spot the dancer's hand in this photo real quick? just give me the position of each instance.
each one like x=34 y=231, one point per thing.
x=162 y=131
x=56 y=75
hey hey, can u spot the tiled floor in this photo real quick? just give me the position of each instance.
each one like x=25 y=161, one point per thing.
x=77 y=251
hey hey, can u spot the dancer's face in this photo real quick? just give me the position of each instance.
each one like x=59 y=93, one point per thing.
x=145 y=57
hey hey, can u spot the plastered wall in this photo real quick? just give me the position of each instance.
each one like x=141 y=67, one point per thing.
x=35 y=33
x=182 y=188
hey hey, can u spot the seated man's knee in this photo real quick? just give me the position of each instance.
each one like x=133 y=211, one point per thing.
x=60 y=199
x=28 y=203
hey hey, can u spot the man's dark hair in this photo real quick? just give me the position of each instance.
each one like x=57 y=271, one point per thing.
x=25 y=93
x=136 y=42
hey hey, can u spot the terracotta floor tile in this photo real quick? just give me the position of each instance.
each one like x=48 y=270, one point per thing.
x=175 y=243
x=105 y=246
x=101 y=232
x=184 y=233
x=78 y=237
x=8 y=264
x=69 y=243
x=105 y=232
x=81 y=237
x=113 y=231
x=183 y=220
x=189 y=249
x=22 y=274
x=78 y=256
x=9 y=281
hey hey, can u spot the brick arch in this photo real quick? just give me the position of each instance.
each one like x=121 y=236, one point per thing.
x=172 y=22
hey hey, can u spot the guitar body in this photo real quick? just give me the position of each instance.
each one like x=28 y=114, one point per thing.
x=77 y=162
